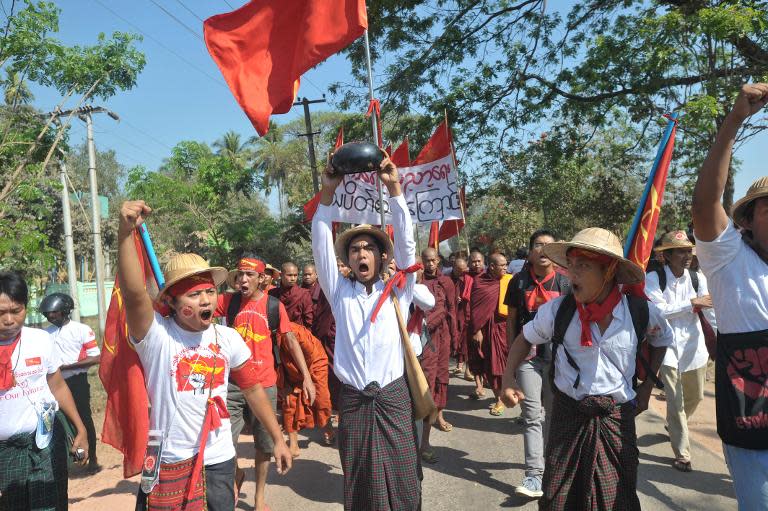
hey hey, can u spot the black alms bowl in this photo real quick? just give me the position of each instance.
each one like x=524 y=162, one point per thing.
x=356 y=157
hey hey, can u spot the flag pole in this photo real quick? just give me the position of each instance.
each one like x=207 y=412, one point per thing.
x=458 y=174
x=152 y=256
x=649 y=184
x=374 y=125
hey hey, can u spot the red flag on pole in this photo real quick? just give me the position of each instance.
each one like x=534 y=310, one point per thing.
x=434 y=235
x=126 y=418
x=339 y=138
x=401 y=156
x=438 y=146
x=264 y=47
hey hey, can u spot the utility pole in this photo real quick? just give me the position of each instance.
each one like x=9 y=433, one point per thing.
x=310 y=137
x=85 y=114
x=68 y=243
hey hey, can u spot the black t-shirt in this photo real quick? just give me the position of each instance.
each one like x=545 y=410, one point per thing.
x=519 y=290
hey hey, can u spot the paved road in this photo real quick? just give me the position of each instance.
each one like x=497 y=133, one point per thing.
x=481 y=462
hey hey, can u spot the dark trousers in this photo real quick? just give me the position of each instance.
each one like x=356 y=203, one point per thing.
x=219 y=488
x=81 y=393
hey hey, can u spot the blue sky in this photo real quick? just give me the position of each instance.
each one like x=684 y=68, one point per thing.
x=181 y=95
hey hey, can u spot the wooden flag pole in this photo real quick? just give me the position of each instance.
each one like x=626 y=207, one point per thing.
x=458 y=175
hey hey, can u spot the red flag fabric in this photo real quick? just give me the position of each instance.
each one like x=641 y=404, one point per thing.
x=438 y=146
x=642 y=244
x=391 y=232
x=264 y=47
x=126 y=421
x=339 y=138
x=311 y=207
x=434 y=231
x=401 y=156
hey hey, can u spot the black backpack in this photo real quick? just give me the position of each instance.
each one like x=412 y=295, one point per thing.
x=662 y=274
x=638 y=310
x=273 y=319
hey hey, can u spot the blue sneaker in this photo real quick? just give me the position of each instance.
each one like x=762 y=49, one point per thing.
x=531 y=487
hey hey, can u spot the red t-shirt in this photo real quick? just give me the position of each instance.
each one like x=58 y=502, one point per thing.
x=251 y=323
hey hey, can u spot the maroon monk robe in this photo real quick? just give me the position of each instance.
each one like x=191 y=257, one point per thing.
x=324 y=328
x=298 y=304
x=448 y=331
x=484 y=317
x=434 y=352
x=475 y=359
x=463 y=288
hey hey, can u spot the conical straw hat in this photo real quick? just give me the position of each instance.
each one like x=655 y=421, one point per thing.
x=674 y=239
x=758 y=189
x=181 y=266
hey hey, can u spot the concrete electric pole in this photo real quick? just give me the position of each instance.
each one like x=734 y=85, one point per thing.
x=311 y=138
x=68 y=242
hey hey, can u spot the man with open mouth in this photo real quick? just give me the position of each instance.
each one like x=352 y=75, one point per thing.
x=188 y=362
x=591 y=457
x=377 y=448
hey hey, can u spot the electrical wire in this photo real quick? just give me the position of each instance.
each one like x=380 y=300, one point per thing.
x=177 y=20
x=149 y=136
x=162 y=45
x=193 y=13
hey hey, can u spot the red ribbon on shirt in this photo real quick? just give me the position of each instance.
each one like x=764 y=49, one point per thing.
x=216 y=409
x=595 y=312
x=398 y=279
x=6 y=367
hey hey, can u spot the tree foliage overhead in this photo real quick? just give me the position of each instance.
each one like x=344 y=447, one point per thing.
x=503 y=68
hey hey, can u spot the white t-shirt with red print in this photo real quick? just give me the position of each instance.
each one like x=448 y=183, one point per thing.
x=179 y=369
x=75 y=341
x=33 y=359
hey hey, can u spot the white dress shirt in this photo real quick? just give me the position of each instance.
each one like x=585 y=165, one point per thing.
x=606 y=367
x=688 y=351
x=738 y=282
x=365 y=352
x=424 y=300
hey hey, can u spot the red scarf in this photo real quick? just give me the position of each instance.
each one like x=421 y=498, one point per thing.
x=398 y=279
x=7 y=381
x=595 y=312
x=539 y=295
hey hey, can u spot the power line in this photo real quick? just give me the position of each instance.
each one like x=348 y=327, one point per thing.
x=130 y=143
x=193 y=13
x=163 y=46
x=177 y=20
x=149 y=136
x=229 y=4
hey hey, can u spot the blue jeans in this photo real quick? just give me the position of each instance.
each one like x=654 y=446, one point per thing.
x=749 y=470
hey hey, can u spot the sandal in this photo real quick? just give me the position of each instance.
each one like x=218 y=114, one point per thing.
x=445 y=426
x=497 y=410
x=477 y=395
x=429 y=457
x=682 y=465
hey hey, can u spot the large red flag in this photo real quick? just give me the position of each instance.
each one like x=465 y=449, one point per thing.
x=438 y=146
x=401 y=156
x=264 y=47
x=126 y=418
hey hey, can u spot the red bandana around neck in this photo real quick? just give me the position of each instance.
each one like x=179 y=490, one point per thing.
x=595 y=312
x=398 y=279
x=7 y=381
x=540 y=295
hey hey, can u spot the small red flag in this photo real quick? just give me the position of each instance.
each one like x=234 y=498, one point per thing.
x=401 y=156
x=264 y=47
x=434 y=239
x=126 y=418
x=391 y=232
x=339 y=138
x=438 y=146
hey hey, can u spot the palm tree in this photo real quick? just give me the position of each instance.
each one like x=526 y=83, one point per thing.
x=16 y=90
x=231 y=147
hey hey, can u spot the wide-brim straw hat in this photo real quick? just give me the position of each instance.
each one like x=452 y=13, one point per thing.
x=345 y=238
x=674 y=239
x=599 y=241
x=758 y=189
x=181 y=266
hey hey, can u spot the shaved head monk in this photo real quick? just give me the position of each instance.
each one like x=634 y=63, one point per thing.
x=476 y=263
x=441 y=325
x=308 y=276
x=488 y=324
x=297 y=300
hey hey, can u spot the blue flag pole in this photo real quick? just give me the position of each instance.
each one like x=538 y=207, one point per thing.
x=152 y=256
x=639 y=213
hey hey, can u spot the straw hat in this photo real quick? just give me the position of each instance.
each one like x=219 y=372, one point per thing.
x=758 y=189
x=674 y=239
x=599 y=241
x=181 y=266
x=344 y=239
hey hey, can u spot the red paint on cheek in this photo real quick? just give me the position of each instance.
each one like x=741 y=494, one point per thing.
x=187 y=312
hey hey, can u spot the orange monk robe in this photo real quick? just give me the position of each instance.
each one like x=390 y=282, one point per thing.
x=297 y=412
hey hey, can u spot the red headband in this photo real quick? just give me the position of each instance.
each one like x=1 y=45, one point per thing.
x=599 y=258
x=192 y=283
x=249 y=264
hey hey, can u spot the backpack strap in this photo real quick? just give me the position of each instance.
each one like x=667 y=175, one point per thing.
x=233 y=309
x=662 y=274
x=563 y=318
x=694 y=280
x=638 y=310
x=273 y=321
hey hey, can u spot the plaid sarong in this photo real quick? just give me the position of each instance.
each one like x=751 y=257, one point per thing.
x=377 y=444
x=32 y=478
x=592 y=456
